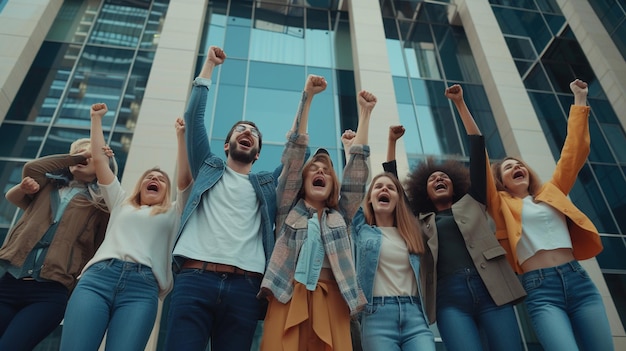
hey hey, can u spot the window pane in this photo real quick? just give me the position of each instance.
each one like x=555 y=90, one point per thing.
x=60 y=139
x=21 y=140
x=11 y=174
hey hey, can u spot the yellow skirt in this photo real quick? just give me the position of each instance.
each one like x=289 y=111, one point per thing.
x=312 y=320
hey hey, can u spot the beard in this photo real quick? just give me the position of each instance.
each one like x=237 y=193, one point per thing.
x=241 y=156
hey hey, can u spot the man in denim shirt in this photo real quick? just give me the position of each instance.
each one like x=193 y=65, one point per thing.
x=226 y=236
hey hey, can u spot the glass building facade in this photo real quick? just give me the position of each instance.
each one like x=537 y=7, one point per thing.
x=105 y=51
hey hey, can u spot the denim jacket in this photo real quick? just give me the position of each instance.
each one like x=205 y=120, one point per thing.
x=367 y=240
x=207 y=168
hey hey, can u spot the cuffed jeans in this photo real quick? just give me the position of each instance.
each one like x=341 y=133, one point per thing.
x=116 y=297
x=29 y=311
x=394 y=323
x=466 y=312
x=566 y=309
x=207 y=305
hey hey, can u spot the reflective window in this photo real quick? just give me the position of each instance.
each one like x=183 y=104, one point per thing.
x=11 y=174
x=22 y=141
x=613 y=253
x=74 y=21
x=612 y=14
x=617 y=287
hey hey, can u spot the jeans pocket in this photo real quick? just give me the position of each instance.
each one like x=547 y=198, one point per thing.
x=148 y=276
x=583 y=273
x=531 y=283
x=370 y=308
x=98 y=266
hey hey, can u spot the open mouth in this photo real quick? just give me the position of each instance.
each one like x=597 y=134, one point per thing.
x=84 y=163
x=518 y=175
x=153 y=187
x=384 y=198
x=245 y=142
x=440 y=186
x=319 y=181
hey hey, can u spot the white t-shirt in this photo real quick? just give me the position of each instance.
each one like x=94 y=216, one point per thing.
x=226 y=226
x=135 y=235
x=394 y=275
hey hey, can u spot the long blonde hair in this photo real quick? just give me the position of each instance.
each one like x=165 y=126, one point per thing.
x=403 y=218
x=135 y=197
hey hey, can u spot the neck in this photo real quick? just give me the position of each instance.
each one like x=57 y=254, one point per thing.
x=384 y=219
x=442 y=206
x=316 y=204
x=239 y=167
x=521 y=193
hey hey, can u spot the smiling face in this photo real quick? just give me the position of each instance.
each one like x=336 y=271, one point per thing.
x=153 y=189
x=383 y=196
x=515 y=177
x=440 y=189
x=244 y=143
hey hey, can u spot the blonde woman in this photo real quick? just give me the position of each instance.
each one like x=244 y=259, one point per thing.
x=119 y=288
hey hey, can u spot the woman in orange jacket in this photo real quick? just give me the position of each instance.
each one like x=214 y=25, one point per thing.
x=545 y=234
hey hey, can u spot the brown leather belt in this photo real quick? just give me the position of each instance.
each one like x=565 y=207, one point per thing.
x=218 y=268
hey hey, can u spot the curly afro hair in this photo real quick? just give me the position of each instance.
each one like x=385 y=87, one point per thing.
x=417 y=180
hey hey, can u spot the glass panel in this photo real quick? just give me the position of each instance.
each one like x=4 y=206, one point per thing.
x=74 y=21
x=342 y=42
x=120 y=143
x=228 y=110
x=60 y=139
x=322 y=114
x=420 y=52
x=346 y=98
x=521 y=48
x=318 y=41
x=617 y=287
x=269 y=157
x=238 y=25
x=120 y=23
x=214 y=27
x=587 y=196
x=21 y=140
x=524 y=24
x=234 y=73
x=536 y=79
x=277 y=76
x=456 y=57
x=612 y=256
x=133 y=97
x=524 y=4
x=619 y=38
x=613 y=185
x=273 y=111
x=10 y=175
x=412 y=137
x=550 y=6
x=396 y=61
x=551 y=119
x=153 y=27
x=277 y=36
x=44 y=84
x=402 y=90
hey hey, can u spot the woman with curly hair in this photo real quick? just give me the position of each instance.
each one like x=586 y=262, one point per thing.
x=470 y=286
x=545 y=236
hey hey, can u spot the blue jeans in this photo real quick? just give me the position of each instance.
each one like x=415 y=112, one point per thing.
x=467 y=317
x=29 y=311
x=393 y=323
x=113 y=296
x=566 y=309
x=221 y=307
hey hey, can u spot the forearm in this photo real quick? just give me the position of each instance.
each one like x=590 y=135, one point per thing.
x=471 y=128
x=100 y=159
x=18 y=197
x=362 y=131
x=391 y=150
x=301 y=120
x=184 y=171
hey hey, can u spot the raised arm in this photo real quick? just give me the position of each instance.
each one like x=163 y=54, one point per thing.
x=184 y=172
x=580 y=90
x=346 y=139
x=293 y=157
x=356 y=172
x=197 y=139
x=455 y=94
x=104 y=174
x=395 y=133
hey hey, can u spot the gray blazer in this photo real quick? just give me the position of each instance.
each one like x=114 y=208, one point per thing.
x=484 y=249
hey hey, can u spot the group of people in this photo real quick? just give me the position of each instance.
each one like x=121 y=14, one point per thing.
x=309 y=253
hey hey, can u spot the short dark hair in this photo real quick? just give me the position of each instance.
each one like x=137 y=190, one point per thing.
x=232 y=129
x=417 y=182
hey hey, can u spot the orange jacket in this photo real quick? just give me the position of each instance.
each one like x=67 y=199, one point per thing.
x=506 y=209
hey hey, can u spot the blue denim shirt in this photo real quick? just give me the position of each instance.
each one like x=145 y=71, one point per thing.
x=367 y=240
x=207 y=169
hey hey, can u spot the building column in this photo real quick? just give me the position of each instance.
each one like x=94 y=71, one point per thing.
x=23 y=28
x=167 y=90
x=372 y=73
x=607 y=62
x=515 y=116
